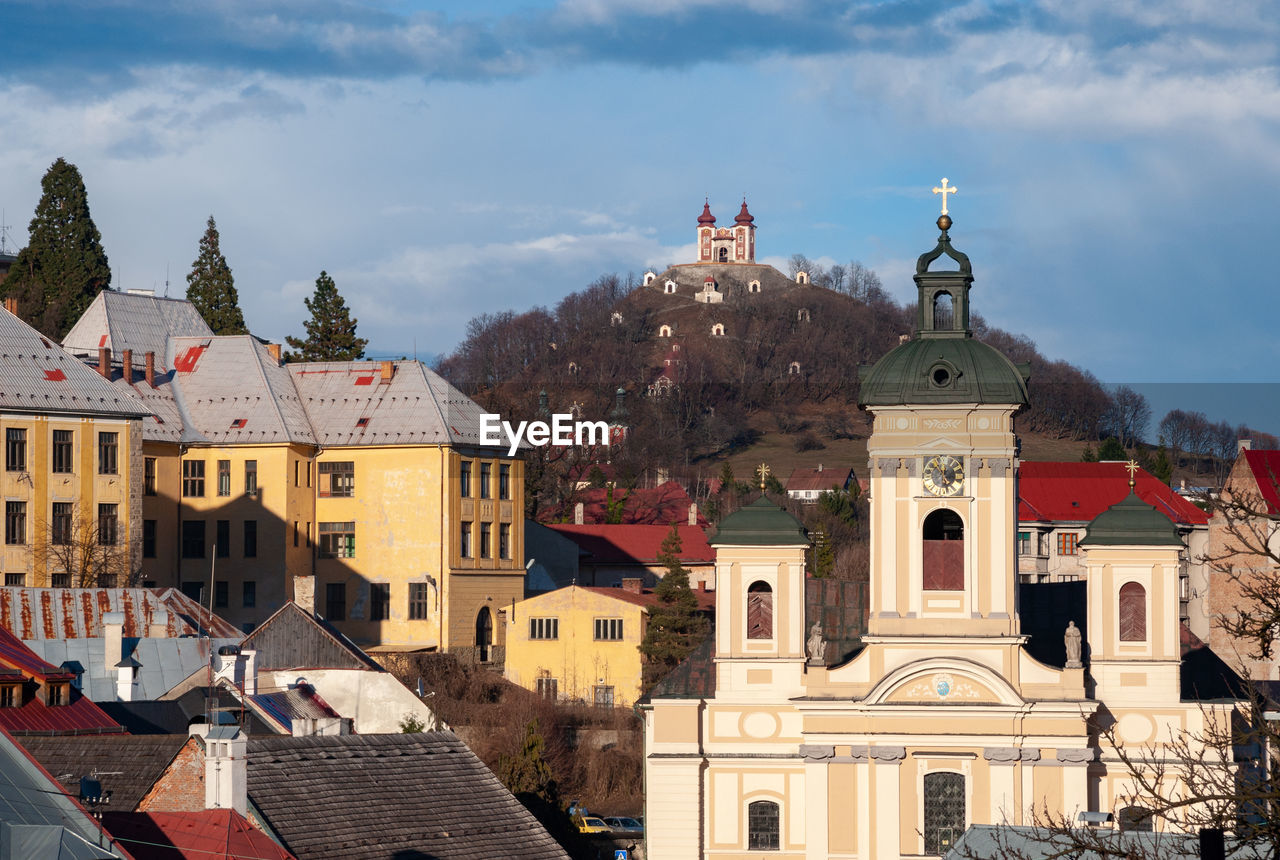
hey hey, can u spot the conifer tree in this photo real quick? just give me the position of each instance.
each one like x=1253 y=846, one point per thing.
x=331 y=332
x=211 y=288
x=675 y=627
x=63 y=266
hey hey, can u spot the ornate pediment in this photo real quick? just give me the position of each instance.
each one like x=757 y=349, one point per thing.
x=944 y=681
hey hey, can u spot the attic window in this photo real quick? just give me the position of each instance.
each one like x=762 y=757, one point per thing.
x=10 y=695
x=54 y=376
x=362 y=422
x=238 y=423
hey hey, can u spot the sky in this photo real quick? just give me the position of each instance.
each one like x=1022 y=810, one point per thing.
x=1117 y=161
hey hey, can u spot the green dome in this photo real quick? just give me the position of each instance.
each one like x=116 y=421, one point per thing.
x=761 y=523
x=942 y=370
x=1131 y=522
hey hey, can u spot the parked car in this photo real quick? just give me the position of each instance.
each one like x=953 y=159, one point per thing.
x=622 y=824
x=591 y=824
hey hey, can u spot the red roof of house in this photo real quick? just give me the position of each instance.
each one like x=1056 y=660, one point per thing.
x=1078 y=492
x=646 y=598
x=1265 y=466
x=79 y=716
x=636 y=544
x=818 y=479
x=210 y=834
x=664 y=504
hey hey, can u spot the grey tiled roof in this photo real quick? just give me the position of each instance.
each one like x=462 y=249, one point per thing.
x=135 y=321
x=37 y=375
x=128 y=765
x=361 y=797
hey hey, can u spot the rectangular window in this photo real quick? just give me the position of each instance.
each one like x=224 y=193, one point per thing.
x=504 y=540
x=15 y=523
x=148 y=538
x=222 y=538
x=64 y=451
x=1067 y=542
x=224 y=477
x=418 y=592
x=193 y=538
x=108 y=525
x=250 y=538
x=220 y=594
x=504 y=481
x=249 y=594
x=106 y=580
x=192 y=478
x=308 y=535
x=108 y=453
x=251 y=477
x=464 y=540
x=486 y=530
x=608 y=629
x=338 y=479
x=308 y=473
x=15 y=449
x=56 y=695
x=194 y=590
x=297 y=471
x=548 y=688
x=335 y=601
x=1024 y=543
x=338 y=540
x=603 y=697
x=60 y=580
x=464 y=478
x=486 y=471
x=15 y=579
x=149 y=476
x=544 y=628
x=295 y=532
x=10 y=696
x=60 y=528
x=379 y=601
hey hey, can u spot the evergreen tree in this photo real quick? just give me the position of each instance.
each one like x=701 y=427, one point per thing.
x=1089 y=455
x=527 y=774
x=211 y=288
x=675 y=627
x=1111 y=449
x=331 y=332
x=63 y=266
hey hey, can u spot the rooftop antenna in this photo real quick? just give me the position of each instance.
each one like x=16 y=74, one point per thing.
x=166 y=279
x=4 y=232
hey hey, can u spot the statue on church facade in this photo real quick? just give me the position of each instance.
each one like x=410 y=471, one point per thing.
x=816 y=646
x=1072 y=639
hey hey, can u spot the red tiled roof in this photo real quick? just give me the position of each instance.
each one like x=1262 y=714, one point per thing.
x=79 y=716
x=664 y=504
x=1078 y=492
x=636 y=544
x=1265 y=466
x=210 y=834
x=817 y=479
x=646 y=598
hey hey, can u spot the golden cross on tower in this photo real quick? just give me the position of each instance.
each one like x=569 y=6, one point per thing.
x=764 y=475
x=944 y=191
x=1133 y=468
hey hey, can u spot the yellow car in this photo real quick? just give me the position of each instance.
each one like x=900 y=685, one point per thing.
x=591 y=824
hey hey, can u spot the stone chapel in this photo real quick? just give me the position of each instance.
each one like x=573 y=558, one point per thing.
x=761 y=746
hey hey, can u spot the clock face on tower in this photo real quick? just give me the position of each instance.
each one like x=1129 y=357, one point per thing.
x=943 y=476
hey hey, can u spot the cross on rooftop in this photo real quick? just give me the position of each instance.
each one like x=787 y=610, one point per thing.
x=944 y=191
x=1133 y=467
x=764 y=475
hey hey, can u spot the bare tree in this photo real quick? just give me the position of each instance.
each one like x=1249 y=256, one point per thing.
x=91 y=551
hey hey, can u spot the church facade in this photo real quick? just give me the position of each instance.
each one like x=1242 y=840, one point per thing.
x=944 y=718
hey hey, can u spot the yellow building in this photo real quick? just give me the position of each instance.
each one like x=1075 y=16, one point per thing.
x=581 y=644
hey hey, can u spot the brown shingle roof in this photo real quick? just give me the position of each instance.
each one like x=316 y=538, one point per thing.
x=127 y=765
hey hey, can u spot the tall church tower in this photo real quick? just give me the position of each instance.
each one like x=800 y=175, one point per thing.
x=724 y=244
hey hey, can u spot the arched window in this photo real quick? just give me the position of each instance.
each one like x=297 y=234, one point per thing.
x=759 y=611
x=664 y=331
x=724 y=255
x=670 y=286
x=943 y=312
x=802 y=277
x=753 y=287
x=944 y=818
x=1133 y=613
x=717 y=330
x=943 y=551
x=1135 y=819
x=650 y=277
x=763 y=823
x=484 y=633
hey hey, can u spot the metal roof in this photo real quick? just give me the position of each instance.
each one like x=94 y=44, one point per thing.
x=164 y=424
x=136 y=321
x=76 y=613
x=285 y=706
x=165 y=663
x=37 y=375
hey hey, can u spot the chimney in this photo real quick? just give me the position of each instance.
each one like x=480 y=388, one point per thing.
x=819 y=467
x=104 y=361
x=11 y=304
x=112 y=634
x=151 y=369
x=579 y=514
x=693 y=514
x=127 y=358
x=388 y=371
x=158 y=628
x=304 y=593
x=1243 y=445
x=226 y=771
x=633 y=584
x=274 y=350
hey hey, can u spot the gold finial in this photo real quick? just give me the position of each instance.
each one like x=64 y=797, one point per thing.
x=1133 y=468
x=944 y=191
x=764 y=475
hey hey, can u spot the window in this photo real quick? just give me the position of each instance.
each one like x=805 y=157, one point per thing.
x=149 y=476
x=63 y=451
x=194 y=590
x=222 y=538
x=251 y=477
x=504 y=540
x=108 y=453
x=297 y=471
x=15 y=579
x=106 y=580
x=220 y=594
x=418 y=592
x=308 y=473
x=60 y=528
x=486 y=470
x=1135 y=819
x=10 y=696
x=60 y=580
x=108 y=525
x=608 y=629
x=295 y=532
x=335 y=601
x=486 y=531
x=1133 y=613
x=944 y=813
x=544 y=628
x=464 y=478
x=338 y=479
x=464 y=540
x=56 y=695
x=15 y=449
x=763 y=826
x=148 y=538
x=308 y=535
x=15 y=523
x=943 y=551
x=224 y=477
x=603 y=696
x=1067 y=543
x=250 y=538
x=192 y=478
x=504 y=481
x=759 y=611
x=548 y=688
x=193 y=538
x=338 y=540
x=249 y=594
x=379 y=601
x=1024 y=543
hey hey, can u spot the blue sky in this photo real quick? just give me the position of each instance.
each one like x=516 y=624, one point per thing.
x=1117 y=163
